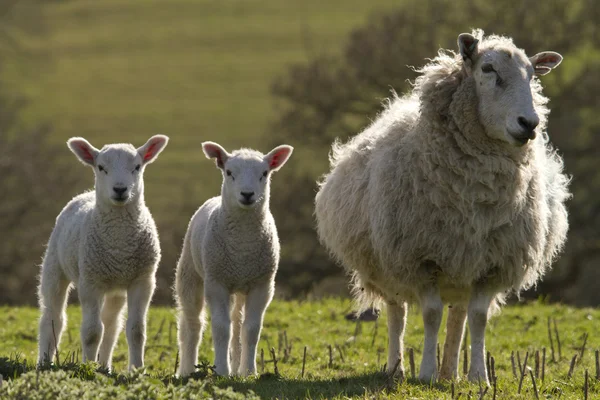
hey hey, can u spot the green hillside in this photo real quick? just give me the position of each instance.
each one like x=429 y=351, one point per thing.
x=194 y=70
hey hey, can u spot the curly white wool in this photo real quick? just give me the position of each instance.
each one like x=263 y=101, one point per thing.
x=447 y=197
x=231 y=248
x=104 y=242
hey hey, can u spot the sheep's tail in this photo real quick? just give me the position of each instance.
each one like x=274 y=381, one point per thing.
x=364 y=295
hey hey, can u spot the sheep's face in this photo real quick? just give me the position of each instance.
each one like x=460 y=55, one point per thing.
x=246 y=173
x=503 y=78
x=118 y=168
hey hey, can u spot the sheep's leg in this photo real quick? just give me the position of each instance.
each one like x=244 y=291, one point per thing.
x=218 y=299
x=257 y=301
x=237 y=317
x=455 y=328
x=91 y=326
x=111 y=319
x=190 y=298
x=139 y=295
x=478 y=313
x=396 y=325
x=432 y=308
x=53 y=292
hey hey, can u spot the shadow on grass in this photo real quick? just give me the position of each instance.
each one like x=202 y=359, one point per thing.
x=273 y=386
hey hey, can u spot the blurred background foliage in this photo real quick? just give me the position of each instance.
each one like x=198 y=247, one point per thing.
x=257 y=73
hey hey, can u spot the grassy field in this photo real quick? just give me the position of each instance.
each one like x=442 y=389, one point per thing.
x=317 y=325
x=116 y=71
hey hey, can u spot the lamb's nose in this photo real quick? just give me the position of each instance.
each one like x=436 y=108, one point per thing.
x=247 y=195
x=529 y=125
x=120 y=190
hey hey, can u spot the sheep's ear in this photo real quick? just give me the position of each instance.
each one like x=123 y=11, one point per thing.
x=467 y=45
x=545 y=62
x=85 y=152
x=278 y=156
x=152 y=148
x=214 y=150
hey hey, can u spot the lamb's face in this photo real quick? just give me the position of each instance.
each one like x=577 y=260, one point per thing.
x=503 y=78
x=118 y=168
x=246 y=179
x=246 y=173
x=118 y=171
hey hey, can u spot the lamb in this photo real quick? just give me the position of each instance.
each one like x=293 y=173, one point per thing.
x=453 y=195
x=104 y=242
x=230 y=250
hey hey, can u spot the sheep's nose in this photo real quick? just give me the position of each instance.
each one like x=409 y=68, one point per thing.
x=529 y=125
x=120 y=190
x=247 y=195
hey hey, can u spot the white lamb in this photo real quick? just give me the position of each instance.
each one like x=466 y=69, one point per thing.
x=231 y=249
x=454 y=194
x=105 y=243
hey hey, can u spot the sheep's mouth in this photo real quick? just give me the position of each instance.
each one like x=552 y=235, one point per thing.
x=247 y=203
x=119 y=200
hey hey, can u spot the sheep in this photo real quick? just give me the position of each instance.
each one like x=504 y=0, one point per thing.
x=448 y=198
x=105 y=243
x=230 y=250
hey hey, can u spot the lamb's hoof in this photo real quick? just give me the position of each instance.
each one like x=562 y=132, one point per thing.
x=428 y=377
x=478 y=376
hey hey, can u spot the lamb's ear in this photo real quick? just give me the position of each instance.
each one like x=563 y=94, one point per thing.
x=85 y=152
x=152 y=148
x=214 y=150
x=467 y=46
x=278 y=156
x=545 y=62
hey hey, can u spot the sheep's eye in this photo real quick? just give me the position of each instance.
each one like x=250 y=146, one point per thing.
x=101 y=168
x=487 y=68
x=265 y=173
x=228 y=172
x=137 y=167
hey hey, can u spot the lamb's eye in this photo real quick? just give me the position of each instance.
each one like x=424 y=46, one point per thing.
x=228 y=172
x=137 y=167
x=265 y=173
x=487 y=68
x=101 y=168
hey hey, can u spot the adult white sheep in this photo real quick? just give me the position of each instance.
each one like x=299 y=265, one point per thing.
x=231 y=248
x=449 y=196
x=105 y=242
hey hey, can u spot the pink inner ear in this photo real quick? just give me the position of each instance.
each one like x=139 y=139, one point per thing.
x=274 y=161
x=214 y=151
x=85 y=152
x=149 y=152
x=278 y=158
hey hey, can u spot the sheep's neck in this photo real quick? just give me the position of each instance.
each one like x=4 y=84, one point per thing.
x=233 y=217
x=129 y=212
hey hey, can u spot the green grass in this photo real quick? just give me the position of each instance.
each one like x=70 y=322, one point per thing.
x=315 y=325
x=116 y=71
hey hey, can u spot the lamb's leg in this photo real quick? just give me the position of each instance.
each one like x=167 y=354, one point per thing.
x=139 y=294
x=257 y=301
x=455 y=328
x=53 y=292
x=396 y=325
x=111 y=319
x=91 y=325
x=237 y=317
x=432 y=308
x=218 y=299
x=478 y=313
x=190 y=298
